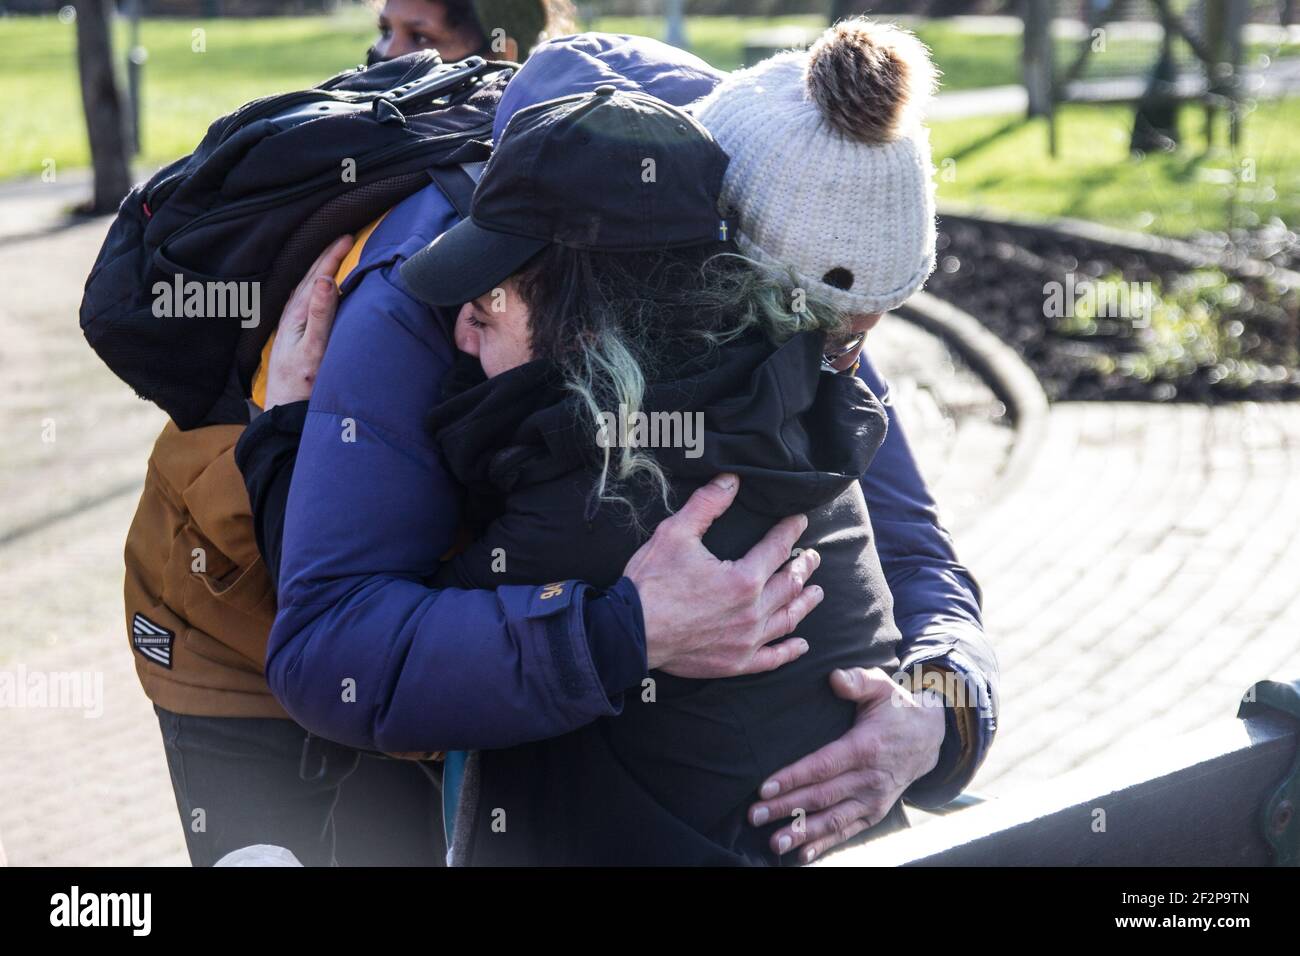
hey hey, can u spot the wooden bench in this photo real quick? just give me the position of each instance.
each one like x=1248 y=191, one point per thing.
x=1225 y=796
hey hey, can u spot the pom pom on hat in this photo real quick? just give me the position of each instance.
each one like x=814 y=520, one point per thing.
x=870 y=80
x=830 y=171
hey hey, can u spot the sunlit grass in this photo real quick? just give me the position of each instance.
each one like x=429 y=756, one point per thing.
x=998 y=163
x=184 y=90
x=1002 y=164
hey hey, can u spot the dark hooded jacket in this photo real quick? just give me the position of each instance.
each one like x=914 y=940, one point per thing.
x=668 y=780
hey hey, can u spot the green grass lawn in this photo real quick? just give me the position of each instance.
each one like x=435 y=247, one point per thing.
x=720 y=40
x=184 y=90
x=999 y=164
x=968 y=61
x=1002 y=164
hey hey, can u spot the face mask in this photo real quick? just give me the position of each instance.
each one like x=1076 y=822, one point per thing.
x=373 y=57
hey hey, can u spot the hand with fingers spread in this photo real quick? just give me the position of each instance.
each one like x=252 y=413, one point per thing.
x=706 y=618
x=304 y=329
x=853 y=782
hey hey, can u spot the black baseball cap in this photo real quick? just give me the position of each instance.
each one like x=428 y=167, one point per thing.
x=610 y=170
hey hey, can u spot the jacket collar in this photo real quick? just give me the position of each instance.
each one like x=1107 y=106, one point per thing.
x=796 y=435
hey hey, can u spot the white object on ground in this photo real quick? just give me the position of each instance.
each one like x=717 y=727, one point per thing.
x=260 y=854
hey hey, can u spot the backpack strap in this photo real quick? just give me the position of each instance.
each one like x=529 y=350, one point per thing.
x=457 y=184
x=350 y=262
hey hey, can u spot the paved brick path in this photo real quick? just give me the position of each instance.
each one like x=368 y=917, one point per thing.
x=1135 y=582
x=1141 y=578
x=76 y=790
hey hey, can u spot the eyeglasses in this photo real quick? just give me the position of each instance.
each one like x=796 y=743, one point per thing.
x=853 y=344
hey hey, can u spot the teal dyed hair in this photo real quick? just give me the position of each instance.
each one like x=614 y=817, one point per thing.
x=613 y=322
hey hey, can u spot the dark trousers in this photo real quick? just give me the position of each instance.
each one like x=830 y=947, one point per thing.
x=243 y=781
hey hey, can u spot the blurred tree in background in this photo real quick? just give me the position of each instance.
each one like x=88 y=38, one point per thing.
x=107 y=123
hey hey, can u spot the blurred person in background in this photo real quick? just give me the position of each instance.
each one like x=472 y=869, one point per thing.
x=492 y=29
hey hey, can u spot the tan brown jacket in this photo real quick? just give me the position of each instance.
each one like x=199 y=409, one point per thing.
x=199 y=602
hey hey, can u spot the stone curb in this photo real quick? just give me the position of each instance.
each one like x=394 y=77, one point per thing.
x=997 y=363
x=1186 y=254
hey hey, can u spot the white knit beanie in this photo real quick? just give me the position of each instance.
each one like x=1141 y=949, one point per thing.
x=830 y=171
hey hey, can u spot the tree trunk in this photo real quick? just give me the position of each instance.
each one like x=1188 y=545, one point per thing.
x=106 y=115
x=1037 y=57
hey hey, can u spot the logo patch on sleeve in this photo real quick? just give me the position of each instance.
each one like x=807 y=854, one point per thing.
x=153 y=641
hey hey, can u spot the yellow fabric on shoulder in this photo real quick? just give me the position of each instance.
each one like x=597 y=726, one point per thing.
x=943 y=680
x=350 y=262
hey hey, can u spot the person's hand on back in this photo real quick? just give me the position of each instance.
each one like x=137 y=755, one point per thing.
x=706 y=618
x=304 y=329
x=853 y=782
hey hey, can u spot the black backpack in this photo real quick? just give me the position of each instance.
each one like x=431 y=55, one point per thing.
x=241 y=219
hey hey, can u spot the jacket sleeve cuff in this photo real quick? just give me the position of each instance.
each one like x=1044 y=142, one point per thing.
x=265 y=455
x=616 y=635
x=969 y=725
x=268 y=434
